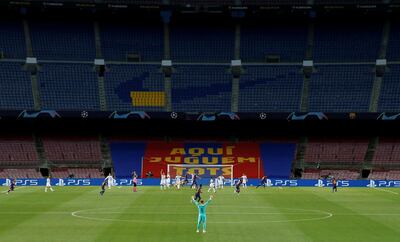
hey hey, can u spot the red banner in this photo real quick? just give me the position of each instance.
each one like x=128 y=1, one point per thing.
x=245 y=158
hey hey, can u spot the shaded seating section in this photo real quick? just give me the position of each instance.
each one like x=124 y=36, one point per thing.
x=198 y=88
x=15 y=87
x=347 y=41
x=18 y=151
x=270 y=89
x=84 y=150
x=341 y=88
x=63 y=40
x=20 y=173
x=202 y=43
x=76 y=173
x=327 y=174
x=287 y=41
x=120 y=39
x=387 y=151
x=393 y=51
x=385 y=175
x=122 y=81
x=389 y=99
x=12 y=40
x=58 y=84
x=331 y=150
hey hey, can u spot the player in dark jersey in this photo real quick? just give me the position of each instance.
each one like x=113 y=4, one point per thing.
x=186 y=179
x=103 y=187
x=197 y=195
x=12 y=186
x=262 y=182
x=194 y=182
x=334 y=185
x=237 y=185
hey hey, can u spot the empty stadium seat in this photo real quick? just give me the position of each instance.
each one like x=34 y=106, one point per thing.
x=387 y=151
x=15 y=87
x=270 y=89
x=199 y=88
x=12 y=42
x=18 y=151
x=69 y=86
x=389 y=99
x=56 y=40
x=341 y=88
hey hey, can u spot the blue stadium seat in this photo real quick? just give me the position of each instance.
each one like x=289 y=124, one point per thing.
x=63 y=40
x=341 y=88
x=120 y=39
x=201 y=88
x=12 y=42
x=393 y=50
x=15 y=87
x=347 y=42
x=270 y=89
x=69 y=87
x=287 y=41
x=122 y=79
x=389 y=100
x=197 y=43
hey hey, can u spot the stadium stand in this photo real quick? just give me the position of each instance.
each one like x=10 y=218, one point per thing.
x=15 y=88
x=346 y=42
x=288 y=42
x=59 y=82
x=261 y=89
x=198 y=88
x=56 y=40
x=20 y=173
x=390 y=90
x=387 y=152
x=76 y=173
x=202 y=43
x=130 y=86
x=12 y=40
x=72 y=150
x=18 y=151
x=338 y=174
x=341 y=88
x=331 y=150
x=393 y=51
x=119 y=40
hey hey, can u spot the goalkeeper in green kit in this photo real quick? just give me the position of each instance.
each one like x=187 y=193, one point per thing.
x=202 y=213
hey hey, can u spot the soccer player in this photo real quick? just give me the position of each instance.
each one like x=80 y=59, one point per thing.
x=186 y=180
x=109 y=180
x=194 y=182
x=48 y=184
x=202 y=213
x=221 y=181
x=237 y=186
x=197 y=195
x=162 y=183
x=262 y=182
x=168 y=180
x=212 y=185
x=103 y=187
x=178 y=182
x=12 y=186
x=244 y=178
x=334 y=185
x=134 y=181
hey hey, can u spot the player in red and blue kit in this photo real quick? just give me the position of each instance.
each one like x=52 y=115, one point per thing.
x=262 y=182
x=237 y=186
x=197 y=195
x=12 y=186
x=103 y=187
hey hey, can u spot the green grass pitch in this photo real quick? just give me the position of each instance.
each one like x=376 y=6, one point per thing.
x=77 y=214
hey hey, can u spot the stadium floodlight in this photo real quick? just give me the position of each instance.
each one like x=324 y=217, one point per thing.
x=204 y=171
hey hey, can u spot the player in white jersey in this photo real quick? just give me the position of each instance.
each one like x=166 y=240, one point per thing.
x=178 y=182
x=221 y=182
x=110 y=180
x=244 y=178
x=163 y=180
x=168 y=180
x=212 y=185
x=48 y=185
